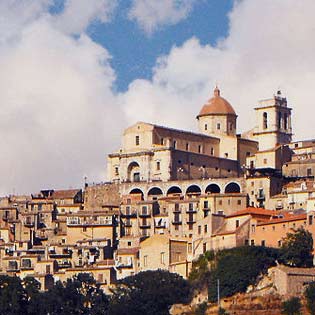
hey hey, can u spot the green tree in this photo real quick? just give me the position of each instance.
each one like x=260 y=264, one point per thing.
x=239 y=267
x=292 y=306
x=310 y=297
x=222 y=311
x=150 y=293
x=297 y=248
x=13 y=297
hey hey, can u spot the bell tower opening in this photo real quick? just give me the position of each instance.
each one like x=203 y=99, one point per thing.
x=273 y=117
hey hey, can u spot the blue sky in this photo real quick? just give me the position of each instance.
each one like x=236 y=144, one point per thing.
x=75 y=73
x=134 y=52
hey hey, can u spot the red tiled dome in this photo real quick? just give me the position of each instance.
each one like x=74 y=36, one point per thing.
x=217 y=105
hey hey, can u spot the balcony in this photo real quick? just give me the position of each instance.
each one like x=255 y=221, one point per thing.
x=144 y=214
x=64 y=264
x=7 y=218
x=42 y=236
x=66 y=253
x=191 y=211
x=12 y=266
x=177 y=222
x=128 y=224
x=129 y=215
x=145 y=225
x=161 y=226
x=191 y=221
x=29 y=223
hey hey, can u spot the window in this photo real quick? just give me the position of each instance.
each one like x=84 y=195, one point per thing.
x=265 y=161
x=310 y=220
x=199 y=229
x=206 y=228
x=237 y=223
x=162 y=258
x=252 y=242
x=273 y=228
x=253 y=228
x=226 y=155
x=137 y=140
x=279 y=120
x=285 y=121
x=129 y=244
x=162 y=141
x=116 y=171
x=206 y=204
x=187 y=146
x=218 y=126
x=265 y=120
x=212 y=151
x=204 y=247
x=84 y=229
x=263 y=243
x=279 y=243
x=206 y=127
x=190 y=227
x=199 y=148
x=309 y=172
x=189 y=248
x=145 y=261
x=239 y=202
x=247 y=153
x=158 y=165
x=174 y=144
x=220 y=202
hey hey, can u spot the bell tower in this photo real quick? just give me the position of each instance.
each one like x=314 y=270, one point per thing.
x=273 y=122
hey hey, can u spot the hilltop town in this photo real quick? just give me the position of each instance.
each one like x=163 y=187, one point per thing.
x=171 y=195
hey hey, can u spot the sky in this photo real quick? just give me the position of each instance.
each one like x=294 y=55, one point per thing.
x=75 y=73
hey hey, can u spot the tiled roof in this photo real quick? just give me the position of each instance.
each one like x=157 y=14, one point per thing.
x=288 y=218
x=217 y=105
x=253 y=211
x=64 y=194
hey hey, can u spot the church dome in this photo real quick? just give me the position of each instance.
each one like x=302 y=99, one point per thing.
x=217 y=105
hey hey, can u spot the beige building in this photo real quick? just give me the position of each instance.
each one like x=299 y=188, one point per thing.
x=155 y=153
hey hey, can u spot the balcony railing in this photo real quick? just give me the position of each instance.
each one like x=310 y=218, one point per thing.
x=177 y=222
x=145 y=225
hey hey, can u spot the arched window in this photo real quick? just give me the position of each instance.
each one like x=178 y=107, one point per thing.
x=279 y=120
x=285 y=121
x=265 y=120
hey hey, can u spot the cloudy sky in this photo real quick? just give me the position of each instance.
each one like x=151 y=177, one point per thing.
x=75 y=73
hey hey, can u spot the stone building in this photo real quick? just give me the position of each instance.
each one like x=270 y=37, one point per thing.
x=155 y=153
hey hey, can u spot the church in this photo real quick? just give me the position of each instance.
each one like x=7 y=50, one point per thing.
x=156 y=153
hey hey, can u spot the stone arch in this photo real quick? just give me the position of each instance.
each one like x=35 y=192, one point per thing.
x=136 y=191
x=134 y=172
x=155 y=191
x=193 y=190
x=232 y=188
x=174 y=190
x=213 y=189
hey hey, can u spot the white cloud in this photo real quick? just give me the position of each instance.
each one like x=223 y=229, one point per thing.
x=270 y=45
x=59 y=117
x=15 y=14
x=58 y=113
x=78 y=14
x=152 y=14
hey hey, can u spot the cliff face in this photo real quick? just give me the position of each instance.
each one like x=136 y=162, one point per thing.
x=265 y=298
